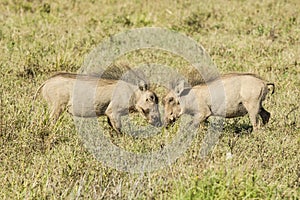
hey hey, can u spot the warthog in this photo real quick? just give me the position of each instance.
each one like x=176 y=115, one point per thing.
x=90 y=96
x=233 y=95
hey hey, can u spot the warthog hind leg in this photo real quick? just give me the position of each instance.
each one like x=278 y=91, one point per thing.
x=56 y=111
x=265 y=116
x=253 y=110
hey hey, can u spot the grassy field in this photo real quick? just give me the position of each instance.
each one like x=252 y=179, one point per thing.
x=39 y=161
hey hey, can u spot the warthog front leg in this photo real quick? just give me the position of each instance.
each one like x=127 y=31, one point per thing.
x=198 y=118
x=114 y=119
x=115 y=124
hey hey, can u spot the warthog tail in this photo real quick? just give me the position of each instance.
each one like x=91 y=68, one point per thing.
x=273 y=87
x=35 y=96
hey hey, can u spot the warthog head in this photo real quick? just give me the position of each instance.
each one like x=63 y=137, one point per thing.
x=172 y=108
x=147 y=105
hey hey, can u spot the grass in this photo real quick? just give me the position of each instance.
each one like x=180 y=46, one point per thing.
x=39 y=38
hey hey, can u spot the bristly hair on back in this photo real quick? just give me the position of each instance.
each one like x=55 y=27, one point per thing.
x=231 y=74
x=116 y=71
x=175 y=81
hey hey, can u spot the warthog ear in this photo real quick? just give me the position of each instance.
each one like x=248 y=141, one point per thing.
x=180 y=89
x=143 y=86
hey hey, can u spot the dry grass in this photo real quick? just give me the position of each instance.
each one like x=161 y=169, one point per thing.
x=39 y=38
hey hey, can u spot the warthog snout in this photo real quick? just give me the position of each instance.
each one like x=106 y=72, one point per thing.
x=148 y=104
x=169 y=121
x=153 y=117
x=172 y=109
x=155 y=121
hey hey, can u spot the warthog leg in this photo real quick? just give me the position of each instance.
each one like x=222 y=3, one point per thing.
x=56 y=111
x=253 y=110
x=265 y=115
x=114 y=119
x=198 y=118
x=115 y=124
x=109 y=122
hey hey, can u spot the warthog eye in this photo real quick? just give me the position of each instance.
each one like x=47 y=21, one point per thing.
x=170 y=99
x=145 y=112
x=151 y=98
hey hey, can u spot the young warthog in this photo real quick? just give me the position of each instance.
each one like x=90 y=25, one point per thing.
x=232 y=95
x=90 y=96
